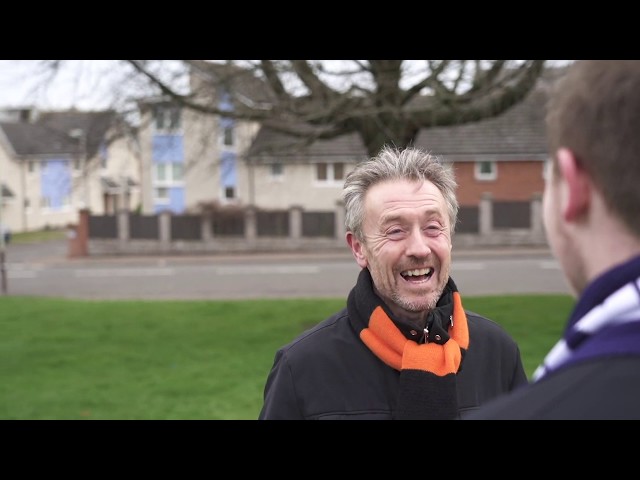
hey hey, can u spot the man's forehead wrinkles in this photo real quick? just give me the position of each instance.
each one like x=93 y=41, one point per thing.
x=395 y=213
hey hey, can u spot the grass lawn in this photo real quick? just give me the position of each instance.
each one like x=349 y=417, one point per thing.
x=73 y=359
x=38 y=236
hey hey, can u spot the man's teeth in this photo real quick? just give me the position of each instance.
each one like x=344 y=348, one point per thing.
x=417 y=272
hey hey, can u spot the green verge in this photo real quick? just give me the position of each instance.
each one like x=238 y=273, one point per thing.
x=73 y=359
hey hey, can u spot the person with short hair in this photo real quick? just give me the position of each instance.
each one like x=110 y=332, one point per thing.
x=404 y=347
x=591 y=212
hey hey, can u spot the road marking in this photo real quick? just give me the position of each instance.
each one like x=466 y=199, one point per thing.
x=550 y=265
x=15 y=266
x=467 y=265
x=123 y=272
x=267 y=270
x=16 y=274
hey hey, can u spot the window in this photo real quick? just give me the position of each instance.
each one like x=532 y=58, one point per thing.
x=177 y=172
x=277 y=170
x=167 y=118
x=168 y=173
x=174 y=118
x=229 y=193
x=486 y=170
x=338 y=171
x=329 y=172
x=104 y=155
x=56 y=185
x=167 y=176
x=227 y=136
x=321 y=172
x=227 y=133
x=161 y=196
x=47 y=202
x=161 y=172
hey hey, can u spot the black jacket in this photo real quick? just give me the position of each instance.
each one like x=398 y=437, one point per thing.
x=597 y=389
x=593 y=371
x=329 y=373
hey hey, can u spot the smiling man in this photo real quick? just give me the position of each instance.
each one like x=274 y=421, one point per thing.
x=404 y=347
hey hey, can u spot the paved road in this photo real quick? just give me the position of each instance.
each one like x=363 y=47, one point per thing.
x=45 y=270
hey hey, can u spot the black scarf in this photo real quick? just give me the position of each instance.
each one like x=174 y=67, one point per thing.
x=427 y=370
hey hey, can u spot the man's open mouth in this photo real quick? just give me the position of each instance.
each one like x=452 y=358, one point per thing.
x=417 y=274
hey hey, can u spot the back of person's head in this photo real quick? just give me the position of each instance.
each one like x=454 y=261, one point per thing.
x=391 y=163
x=594 y=110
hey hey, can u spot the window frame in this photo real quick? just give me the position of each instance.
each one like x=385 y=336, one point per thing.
x=171 y=116
x=330 y=171
x=485 y=176
x=276 y=171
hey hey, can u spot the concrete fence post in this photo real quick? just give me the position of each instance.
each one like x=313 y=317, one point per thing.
x=122 y=220
x=164 y=226
x=537 y=227
x=250 y=224
x=206 y=226
x=295 y=222
x=339 y=216
x=486 y=214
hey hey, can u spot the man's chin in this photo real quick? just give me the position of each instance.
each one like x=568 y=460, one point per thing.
x=417 y=303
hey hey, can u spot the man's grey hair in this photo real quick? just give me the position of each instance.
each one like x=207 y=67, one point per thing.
x=393 y=163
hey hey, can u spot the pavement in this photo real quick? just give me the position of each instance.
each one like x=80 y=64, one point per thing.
x=46 y=269
x=52 y=250
x=56 y=251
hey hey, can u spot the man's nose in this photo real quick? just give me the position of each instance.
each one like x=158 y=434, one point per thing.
x=418 y=243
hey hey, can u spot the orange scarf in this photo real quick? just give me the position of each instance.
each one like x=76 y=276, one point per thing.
x=427 y=370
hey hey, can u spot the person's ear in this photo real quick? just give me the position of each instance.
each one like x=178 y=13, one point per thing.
x=357 y=249
x=577 y=183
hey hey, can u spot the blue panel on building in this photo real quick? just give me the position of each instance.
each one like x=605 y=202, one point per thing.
x=103 y=152
x=167 y=149
x=176 y=199
x=55 y=182
x=225 y=102
x=228 y=174
x=226 y=122
x=159 y=208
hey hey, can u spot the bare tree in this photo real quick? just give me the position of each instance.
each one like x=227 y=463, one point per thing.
x=382 y=101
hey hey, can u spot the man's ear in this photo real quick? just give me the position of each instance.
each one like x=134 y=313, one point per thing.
x=357 y=249
x=577 y=183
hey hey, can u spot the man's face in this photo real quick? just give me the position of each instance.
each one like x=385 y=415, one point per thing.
x=407 y=245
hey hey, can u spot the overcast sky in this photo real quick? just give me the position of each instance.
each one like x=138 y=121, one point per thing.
x=83 y=84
